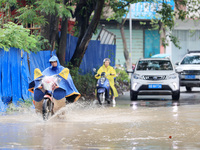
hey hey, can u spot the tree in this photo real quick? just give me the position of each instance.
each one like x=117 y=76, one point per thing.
x=47 y=14
x=166 y=21
x=44 y=15
x=13 y=35
x=83 y=13
x=5 y=10
x=51 y=10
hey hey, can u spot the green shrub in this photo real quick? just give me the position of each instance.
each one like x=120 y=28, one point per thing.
x=13 y=35
x=23 y=105
x=122 y=82
x=85 y=84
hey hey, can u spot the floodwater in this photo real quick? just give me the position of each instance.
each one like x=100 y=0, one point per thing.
x=90 y=127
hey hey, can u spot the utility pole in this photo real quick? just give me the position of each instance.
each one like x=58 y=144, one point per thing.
x=130 y=30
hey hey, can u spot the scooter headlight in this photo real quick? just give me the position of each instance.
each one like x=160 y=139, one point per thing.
x=102 y=80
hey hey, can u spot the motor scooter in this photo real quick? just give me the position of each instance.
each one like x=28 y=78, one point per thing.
x=48 y=84
x=52 y=88
x=103 y=89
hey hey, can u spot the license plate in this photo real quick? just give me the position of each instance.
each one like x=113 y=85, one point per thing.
x=189 y=76
x=155 y=86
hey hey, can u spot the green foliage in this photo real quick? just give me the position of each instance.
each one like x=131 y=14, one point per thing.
x=166 y=16
x=23 y=105
x=54 y=7
x=85 y=84
x=32 y=13
x=122 y=80
x=76 y=30
x=175 y=41
x=17 y=36
x=29 y=15
x=142 y=23
x=6 y=4
x=120 y=8
x=122 y=75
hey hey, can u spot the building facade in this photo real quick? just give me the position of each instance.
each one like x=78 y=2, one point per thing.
x=188 y=34
x=145 y=41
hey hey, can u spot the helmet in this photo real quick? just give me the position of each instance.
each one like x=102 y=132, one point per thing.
x=106 y=59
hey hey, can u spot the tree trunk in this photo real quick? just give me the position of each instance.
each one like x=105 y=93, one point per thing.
x=84 y=40
x=126 y=53
x=49 y=30
x=62 y=42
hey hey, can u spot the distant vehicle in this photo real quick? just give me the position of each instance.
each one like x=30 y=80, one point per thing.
x=154 y=76
x=189 y=70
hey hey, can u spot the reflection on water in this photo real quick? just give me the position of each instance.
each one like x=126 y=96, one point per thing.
x=168 y=103
x=88 y=126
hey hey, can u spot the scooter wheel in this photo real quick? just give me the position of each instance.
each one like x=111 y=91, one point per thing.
x=47 y=109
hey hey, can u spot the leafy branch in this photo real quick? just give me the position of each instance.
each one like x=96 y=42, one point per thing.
x=17 y=36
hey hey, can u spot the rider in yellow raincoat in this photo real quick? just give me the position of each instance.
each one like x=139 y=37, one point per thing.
x=111 y=73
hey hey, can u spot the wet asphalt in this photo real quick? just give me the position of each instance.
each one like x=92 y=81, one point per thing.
x=152 y=122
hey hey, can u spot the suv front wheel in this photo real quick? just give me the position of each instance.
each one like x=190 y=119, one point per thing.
x=133 y=95
x=176 y=95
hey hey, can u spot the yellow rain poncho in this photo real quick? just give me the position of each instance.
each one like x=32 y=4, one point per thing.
x=109 y=70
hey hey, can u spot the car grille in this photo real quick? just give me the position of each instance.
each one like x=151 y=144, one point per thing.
x=193 y=72
x=154 y=77
x=146 y=87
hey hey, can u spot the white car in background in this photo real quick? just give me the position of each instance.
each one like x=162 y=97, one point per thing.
x=189 y=70
x=154 y=76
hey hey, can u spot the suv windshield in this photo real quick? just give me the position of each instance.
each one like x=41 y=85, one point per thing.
x=191 y=60
x=154 y=65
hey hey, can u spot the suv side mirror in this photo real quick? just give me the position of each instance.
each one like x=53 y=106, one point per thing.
x=177 y=63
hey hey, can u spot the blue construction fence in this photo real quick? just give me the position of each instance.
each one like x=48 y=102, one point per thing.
x=94 y=54
x=17 y=67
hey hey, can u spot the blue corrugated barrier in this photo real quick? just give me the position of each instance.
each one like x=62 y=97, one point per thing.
x=94 y=54
x=39 y=60
x=6 y=77
x=25 y=76
x=2 y=105
x=17 y=67
x=15 y=64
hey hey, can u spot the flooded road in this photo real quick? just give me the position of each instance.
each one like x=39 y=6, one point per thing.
x=144 y=124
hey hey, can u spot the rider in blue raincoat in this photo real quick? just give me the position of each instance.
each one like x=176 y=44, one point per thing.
x=65 y=91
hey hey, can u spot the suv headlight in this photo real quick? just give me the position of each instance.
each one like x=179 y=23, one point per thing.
x=137 y=76
x=172 y=76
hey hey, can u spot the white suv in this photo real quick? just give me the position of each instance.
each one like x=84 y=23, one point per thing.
x=189 y=70
x=154 y=76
